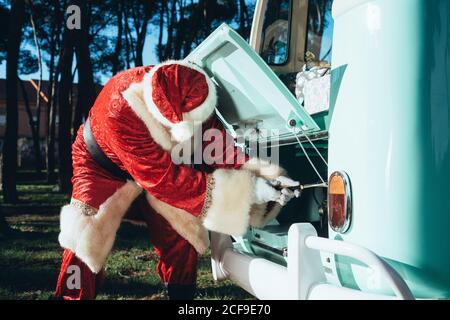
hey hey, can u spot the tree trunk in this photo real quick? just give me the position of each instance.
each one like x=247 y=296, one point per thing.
x=141 y=32
x=36 y=140
x=161 y=31
x=188 y=40
x=140 y=42
x=129 y=37
x=65 y=114
x=205 y=16
x=52 y=105
x=118 y=48
x=180 y=32
x=9 y=167
x=86 y=87
x=170 y=26
x=51 y=138
x=243 y=19
x=31 y=122
x=127 y=42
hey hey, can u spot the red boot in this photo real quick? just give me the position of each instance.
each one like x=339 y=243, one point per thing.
x=76 y=281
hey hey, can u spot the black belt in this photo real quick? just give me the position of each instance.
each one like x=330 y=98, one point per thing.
x=100 y=157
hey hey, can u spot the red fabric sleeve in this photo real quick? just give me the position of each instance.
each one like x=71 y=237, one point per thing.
x=228 y=156
x=177 y=185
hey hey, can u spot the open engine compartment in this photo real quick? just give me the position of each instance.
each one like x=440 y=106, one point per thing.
x=271 y=242
x=259 y=111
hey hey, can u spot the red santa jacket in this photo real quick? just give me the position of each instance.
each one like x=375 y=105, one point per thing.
x=217 y=197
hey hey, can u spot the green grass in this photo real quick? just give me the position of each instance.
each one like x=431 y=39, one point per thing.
x=39 y=194
x=29 y=264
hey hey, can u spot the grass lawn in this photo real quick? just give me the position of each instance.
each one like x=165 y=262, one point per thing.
x=29 y=263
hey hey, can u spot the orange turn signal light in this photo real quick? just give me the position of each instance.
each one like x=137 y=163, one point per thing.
x=339 y=202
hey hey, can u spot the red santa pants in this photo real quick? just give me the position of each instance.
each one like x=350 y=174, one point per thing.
x=177 y=258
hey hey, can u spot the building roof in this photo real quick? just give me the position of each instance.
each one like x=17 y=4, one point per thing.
x=31 y=87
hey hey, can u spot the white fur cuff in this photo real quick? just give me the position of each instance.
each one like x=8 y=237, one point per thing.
x=262 y=214
x=230 y=195
x=91 y=236
x=264 y=169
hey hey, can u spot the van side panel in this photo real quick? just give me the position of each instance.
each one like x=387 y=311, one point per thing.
x=390 y=132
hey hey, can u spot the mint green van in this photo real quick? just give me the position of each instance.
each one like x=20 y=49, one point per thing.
x=359 y=94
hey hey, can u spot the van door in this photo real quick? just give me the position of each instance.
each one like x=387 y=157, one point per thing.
x=279 y=33
x=251 y=96
x=286 y=33
x=293 y=36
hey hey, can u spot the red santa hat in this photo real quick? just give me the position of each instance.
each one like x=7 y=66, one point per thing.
x=179 y=94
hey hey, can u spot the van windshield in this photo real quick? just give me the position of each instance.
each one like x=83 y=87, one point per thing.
x=320 y=30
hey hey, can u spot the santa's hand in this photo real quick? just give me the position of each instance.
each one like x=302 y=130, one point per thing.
x=264 y=192
x=286 y=185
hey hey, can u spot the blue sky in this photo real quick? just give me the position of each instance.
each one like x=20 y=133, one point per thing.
x=150 y=57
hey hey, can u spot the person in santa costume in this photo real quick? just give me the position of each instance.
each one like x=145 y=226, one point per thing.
x=139 y=117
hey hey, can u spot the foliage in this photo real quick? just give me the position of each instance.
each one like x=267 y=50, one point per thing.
x=184 y=26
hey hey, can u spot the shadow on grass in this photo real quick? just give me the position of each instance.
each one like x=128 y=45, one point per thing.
x=134 y=287
x=25 y=279
x=223 y=292
x=21 y=237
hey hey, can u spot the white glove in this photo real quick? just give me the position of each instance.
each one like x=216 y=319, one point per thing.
x=264 y=192
x=285 y=183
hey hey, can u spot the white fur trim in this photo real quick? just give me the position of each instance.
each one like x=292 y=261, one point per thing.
x=231 y=201
x=91 y=237
x=182 y=131
x=184 y=223
x=160 y=134
x=260 y=216
x=134 y=96
x=199 y=114
x=264 y=169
